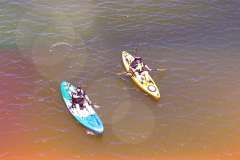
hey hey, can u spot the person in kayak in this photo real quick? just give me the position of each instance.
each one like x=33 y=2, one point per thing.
x=80 y=98
x=140 y=69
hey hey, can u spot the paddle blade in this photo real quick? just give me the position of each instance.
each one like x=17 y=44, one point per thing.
x=97 y=106
x=120 y=73
x=161 y=69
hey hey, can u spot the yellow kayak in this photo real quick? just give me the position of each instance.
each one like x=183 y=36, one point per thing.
x=148 y=87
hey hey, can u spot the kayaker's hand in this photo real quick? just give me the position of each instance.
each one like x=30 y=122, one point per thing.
x=129 y=73
x=96 y=106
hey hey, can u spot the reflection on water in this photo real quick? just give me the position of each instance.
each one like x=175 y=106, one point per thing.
x=44 y=42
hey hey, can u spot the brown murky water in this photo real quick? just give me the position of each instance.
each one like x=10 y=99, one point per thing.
x=43 y=43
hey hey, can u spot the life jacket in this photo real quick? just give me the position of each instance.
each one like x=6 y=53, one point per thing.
x=134 y=64
x=137 y=66
x=80 y=99
x=81 y=93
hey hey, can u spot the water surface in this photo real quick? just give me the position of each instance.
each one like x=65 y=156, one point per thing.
x=45 y=42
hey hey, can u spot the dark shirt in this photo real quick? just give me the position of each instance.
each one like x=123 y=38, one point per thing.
x=134 y=64
x=79 y=100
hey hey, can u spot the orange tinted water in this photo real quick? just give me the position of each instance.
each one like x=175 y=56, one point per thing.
x=192 y=120
x=197 y=116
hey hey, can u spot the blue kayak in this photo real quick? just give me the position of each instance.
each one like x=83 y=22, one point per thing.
x=86 y=116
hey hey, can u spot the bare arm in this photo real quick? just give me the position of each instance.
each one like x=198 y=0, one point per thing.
x=88 y=100
x=148 y=68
